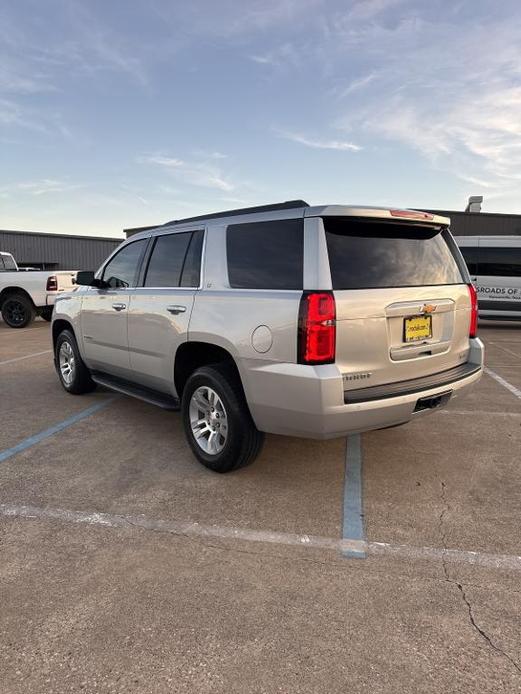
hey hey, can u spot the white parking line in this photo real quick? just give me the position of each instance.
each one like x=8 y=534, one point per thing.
x=487 y=413
x=27 y=356
x=515 y=391
x=505 y=349
x=190 y=529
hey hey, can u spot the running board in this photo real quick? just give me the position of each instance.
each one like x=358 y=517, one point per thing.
x=153 y=397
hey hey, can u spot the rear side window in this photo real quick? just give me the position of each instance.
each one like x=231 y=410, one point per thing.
x=9 y=263
x=500 y=262
x=266 y=255
x=121 y=271
x=175 y=261
x=367 y=254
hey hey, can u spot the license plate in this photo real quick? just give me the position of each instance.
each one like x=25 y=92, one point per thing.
x=417 y=328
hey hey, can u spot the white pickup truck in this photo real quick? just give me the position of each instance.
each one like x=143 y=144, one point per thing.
x=27 y=294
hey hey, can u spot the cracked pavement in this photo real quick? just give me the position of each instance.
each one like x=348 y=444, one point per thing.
x=462 y=591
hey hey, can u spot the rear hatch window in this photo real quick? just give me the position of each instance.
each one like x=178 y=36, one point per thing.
x=366 y=254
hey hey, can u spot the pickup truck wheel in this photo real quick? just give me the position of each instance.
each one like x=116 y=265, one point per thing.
x=18 y=311
x=216 y=419
x=72 y=372
x=46 y=313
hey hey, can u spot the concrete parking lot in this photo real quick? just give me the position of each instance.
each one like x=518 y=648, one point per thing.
x=127 y=567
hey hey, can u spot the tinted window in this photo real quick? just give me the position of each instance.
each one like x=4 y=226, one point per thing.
x=266 y=255
x=470 y=254
x=500 y=262
x=1 y=264
x=121 y=271
x=167 y=260
x=191 y=274
x=367 y=254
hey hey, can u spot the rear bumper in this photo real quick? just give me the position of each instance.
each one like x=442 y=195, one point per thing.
x=306 y=401
x=414 y=386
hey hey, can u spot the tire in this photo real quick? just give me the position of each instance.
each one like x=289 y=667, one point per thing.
x=243 y=441
x=46 y=313
x=66 y=350
x=18 y=311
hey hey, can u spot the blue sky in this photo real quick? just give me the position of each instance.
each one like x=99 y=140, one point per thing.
x=134 y=112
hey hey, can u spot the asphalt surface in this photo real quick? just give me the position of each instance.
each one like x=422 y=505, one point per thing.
x=103 y=589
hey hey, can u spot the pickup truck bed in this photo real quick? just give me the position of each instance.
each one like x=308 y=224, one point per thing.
x=27 y=294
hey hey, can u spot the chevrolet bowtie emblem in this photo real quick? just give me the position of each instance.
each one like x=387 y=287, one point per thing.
x=428 y=308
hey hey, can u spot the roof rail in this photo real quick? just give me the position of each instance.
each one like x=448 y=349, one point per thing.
x=288 y=205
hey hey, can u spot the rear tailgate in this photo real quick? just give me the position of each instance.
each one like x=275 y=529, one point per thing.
x=402 y=302
x=65 y=280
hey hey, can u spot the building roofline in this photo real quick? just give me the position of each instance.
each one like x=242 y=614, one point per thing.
x=51 y=235
x=472 y=214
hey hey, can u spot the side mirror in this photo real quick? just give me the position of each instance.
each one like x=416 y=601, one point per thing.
x=85 y=278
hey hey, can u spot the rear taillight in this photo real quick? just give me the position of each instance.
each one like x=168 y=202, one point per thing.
x=317 y=328
x=52 y=283
x=473 y=328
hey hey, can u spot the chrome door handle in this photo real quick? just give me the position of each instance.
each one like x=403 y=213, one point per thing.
x=175 y=309
x=118 y=306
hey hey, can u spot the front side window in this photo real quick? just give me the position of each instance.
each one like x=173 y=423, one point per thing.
x=266 y=255
x=373 y=254
x=121 y=272
x=500 y=262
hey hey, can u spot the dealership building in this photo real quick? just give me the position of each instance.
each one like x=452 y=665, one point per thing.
x=67 y=252
x=57 y=251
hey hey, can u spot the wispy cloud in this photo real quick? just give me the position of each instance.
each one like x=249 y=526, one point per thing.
x=196 y=173
x=456 y=100
x=357 y=84
x=339 y=145
x=207 y=19
x=284 y=56
x=15 y=79
x=38 y=187
x=37 y=61
x=262 y=59
x=13 y=114
x=365 y=10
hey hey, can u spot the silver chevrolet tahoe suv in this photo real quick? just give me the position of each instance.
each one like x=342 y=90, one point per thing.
x=287 y=319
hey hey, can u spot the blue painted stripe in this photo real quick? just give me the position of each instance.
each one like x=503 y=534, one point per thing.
x=353 y=525
x=33 y=440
